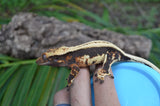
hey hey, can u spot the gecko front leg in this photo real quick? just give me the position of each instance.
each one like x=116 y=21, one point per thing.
x=74 y=72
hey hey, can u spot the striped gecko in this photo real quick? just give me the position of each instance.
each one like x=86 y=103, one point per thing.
x=87 y=54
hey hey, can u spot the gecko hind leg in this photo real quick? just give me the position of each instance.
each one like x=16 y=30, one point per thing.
x=74 y=72
x=105 y=70
x=100 y=75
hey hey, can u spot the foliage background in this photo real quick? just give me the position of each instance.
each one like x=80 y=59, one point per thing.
x=22 y=82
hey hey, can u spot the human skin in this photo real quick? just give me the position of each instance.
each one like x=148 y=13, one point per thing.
x=80 y=92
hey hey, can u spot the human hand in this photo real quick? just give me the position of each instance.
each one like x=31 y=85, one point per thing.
x=80 y=92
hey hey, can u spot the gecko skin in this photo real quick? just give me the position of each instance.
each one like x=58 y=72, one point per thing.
x=87 y=54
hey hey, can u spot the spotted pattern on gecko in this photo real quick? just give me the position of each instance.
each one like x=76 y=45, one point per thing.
x=87 y=54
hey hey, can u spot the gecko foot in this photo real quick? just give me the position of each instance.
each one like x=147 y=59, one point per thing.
x=101 y=77
x=96 y=80
x=68 y=88
x=100 y=80
x=111 y=76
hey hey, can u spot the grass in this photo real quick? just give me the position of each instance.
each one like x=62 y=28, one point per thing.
x=23 y=82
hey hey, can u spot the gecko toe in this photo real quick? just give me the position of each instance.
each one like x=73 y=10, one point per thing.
x=101 y=81
x=111 y=76
x=96 y=80
x=68 y=88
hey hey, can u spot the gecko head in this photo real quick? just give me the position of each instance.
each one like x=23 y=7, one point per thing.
x=52 y=57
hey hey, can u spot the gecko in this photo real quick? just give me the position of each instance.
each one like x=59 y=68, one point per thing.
x=87 y=54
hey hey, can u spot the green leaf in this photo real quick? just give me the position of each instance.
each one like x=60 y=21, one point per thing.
x=106 y=16
x=4 y=57
x=17 y=63
x=24 y=86
x=37 y=86
x=154 y=59
x=12 y=88
x=4 y=77
x=2 y=90
x=60 y=83
x=47 y=87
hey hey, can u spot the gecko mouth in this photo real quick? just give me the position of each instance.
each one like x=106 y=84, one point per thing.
x=40 y=61
x=45 y=63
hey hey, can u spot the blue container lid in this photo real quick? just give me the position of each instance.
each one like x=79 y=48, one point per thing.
x=136 y=84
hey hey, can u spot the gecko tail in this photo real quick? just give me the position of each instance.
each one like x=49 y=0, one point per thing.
x=129 y=57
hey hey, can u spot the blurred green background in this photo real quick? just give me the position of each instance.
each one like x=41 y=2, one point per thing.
x=22 y=82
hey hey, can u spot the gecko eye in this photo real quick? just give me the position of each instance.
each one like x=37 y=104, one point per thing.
x=44 y=57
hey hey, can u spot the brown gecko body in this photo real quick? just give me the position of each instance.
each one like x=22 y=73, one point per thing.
x=91 y=53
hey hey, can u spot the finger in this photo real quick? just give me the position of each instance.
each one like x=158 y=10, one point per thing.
x=80 y=92
x=105 y=93
x=61 y=97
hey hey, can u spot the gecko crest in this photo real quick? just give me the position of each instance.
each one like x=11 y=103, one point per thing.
x=87 y=54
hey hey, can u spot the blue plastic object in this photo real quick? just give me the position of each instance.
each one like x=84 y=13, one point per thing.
x=136 y=84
